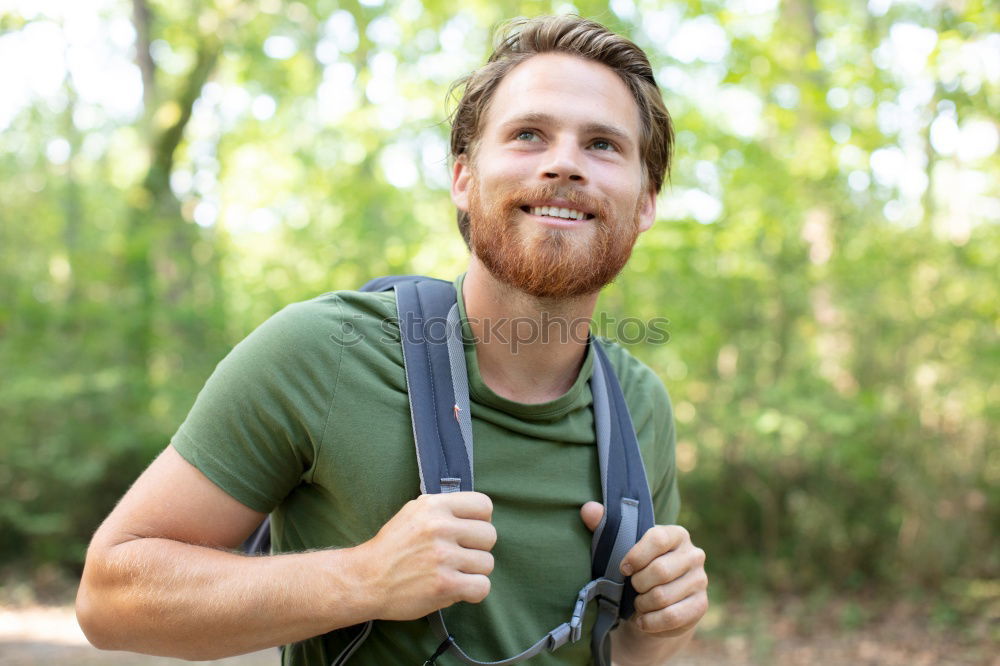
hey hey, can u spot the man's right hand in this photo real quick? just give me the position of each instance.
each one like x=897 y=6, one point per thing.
x=433 y=553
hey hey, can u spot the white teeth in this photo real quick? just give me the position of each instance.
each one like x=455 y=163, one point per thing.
x=552 y=211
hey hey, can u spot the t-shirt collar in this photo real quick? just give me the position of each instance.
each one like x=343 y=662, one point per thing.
x=576 y=397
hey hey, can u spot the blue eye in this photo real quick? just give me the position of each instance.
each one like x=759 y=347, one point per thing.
x=601 y=144
x=526 y=135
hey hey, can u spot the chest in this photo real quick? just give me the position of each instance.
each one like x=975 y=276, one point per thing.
x=537 y=474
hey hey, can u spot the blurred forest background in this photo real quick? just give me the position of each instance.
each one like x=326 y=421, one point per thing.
x=172 y=173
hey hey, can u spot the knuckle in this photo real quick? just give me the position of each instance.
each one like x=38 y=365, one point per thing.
x=443 y=584
x=485 y=588
x=682 y=533
x=670 y=617
x=699 y=556
x=702 y=604
x=440 y=553
x=441 y=527
x=661 y=596
x=430 y=527
x=661 y=537
x=703 y=580
x=661 y=569
x=478 y=590
x=642 y=584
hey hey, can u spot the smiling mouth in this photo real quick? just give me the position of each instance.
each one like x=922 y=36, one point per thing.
x=558 y=213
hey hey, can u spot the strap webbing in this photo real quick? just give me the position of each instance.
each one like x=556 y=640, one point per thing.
x=606 y=591
x=442 y=452
x=625 y=520
x=602 y=436
x=437 y=387
x=460 y=382
x=623 y=476
x=600 y=637
x=609 y=610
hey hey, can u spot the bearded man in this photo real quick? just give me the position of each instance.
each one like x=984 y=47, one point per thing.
x=561 y=143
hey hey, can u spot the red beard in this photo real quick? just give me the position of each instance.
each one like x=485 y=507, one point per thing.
x=547 y=262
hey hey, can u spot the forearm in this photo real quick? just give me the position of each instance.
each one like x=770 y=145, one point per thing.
x=169 y=598
x=632 y=647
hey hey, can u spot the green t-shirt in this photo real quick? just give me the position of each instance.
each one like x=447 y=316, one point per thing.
x=308 y=419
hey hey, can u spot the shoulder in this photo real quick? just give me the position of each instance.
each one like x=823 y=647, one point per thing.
x=332 y=309
x=307 y=336
x=644 y=391
x=648 y=405
x=653 y=419
x=337 y=316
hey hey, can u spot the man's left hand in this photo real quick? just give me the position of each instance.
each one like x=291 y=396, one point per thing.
x=668 y=572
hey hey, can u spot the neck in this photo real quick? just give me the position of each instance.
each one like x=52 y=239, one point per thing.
x=529 y=349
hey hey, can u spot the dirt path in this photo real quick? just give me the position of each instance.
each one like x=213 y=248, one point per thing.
x=36 y=636
x=37 y=654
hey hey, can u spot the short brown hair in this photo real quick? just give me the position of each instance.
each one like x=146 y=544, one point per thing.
x=520 y=39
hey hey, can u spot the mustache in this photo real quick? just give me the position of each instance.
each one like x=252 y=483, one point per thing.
x=548 y=263
x=578 y=199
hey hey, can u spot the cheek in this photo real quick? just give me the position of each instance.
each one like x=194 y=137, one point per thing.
x=505 y=165
x=618 y=183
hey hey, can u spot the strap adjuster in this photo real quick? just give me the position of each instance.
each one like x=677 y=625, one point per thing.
x=608 y=594
x=576 y=622
x=575 y=628
x=559 y=637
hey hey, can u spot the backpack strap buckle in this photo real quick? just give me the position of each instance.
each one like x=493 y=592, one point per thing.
x=608 y=593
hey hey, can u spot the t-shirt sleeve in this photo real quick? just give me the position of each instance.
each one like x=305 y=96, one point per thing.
x=257 y=425
x=663 y=474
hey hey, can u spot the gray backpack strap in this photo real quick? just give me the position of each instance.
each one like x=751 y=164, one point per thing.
x=567 y=632
x=442 y=426
x=627 y=501
x=437 y=385
x=460 y=383
x=612 y=539
x=443 y=451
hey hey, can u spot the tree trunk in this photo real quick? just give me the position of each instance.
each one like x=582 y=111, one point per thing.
x=153 y=207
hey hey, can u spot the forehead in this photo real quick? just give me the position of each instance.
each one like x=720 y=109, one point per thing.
x=577 y=91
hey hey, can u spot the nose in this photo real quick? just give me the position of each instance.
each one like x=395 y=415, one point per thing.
x=563 y=162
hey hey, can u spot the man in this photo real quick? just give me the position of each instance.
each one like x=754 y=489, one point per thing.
x=561 y=143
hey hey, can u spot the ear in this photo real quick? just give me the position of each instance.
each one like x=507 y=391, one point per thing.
x=461 y=179
x=647 y=211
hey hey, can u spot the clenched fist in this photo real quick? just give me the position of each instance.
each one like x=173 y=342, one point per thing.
x=668 y=572
x=433 y=553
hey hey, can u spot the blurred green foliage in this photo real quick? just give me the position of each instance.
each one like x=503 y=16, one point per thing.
x=826 y=252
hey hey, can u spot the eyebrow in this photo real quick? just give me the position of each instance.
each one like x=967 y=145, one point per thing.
x=602 y=129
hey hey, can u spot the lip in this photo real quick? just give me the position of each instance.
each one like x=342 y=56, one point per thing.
x=557 y=222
